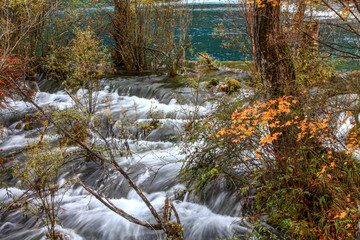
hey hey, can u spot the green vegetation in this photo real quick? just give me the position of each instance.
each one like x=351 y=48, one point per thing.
x=81 y=64
x=40 y=173
x=213 y=82
x=74 y=122
x=234 y=85
x=243 y=65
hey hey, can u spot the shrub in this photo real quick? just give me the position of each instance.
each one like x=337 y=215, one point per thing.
x=234 y=85
x=214 y=82
x=73 y=122
x=304 y=176
x=11 y=71
x=310 y=193
x=215 y=159
x=40 y=174
x=81 y=65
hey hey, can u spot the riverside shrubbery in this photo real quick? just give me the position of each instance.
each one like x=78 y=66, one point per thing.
x=312 y=193
x=290 y=151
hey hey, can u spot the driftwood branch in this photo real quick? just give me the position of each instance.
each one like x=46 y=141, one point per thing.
x=175 y=212
x=104 y=200
x=208 y=60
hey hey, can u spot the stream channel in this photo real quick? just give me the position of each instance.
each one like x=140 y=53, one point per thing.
x=154 y=166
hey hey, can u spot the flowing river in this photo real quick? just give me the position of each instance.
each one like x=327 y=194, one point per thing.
x=154 y=166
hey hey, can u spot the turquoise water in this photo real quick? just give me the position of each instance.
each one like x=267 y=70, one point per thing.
x=206 y=18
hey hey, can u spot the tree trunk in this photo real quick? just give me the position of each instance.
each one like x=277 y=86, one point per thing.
x=272 y=52
x=276 y=68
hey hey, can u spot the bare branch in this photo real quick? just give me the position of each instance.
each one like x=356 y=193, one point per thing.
x=119 y=211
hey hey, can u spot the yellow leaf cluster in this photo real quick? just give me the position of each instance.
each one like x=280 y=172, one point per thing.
x=264 y=122
x=249 y=121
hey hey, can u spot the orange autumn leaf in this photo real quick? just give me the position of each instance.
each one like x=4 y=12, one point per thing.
x=342 y=215
x=288 y=123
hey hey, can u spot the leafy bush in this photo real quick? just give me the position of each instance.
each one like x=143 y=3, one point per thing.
x=234 y=85
x=304 y=177
x=214 y=82
x=215 y=159
x=81 y=64
x=75 y=123
x=40 y=173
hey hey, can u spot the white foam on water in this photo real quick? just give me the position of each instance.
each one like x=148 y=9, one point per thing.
x=156 y=165
x=14 y=142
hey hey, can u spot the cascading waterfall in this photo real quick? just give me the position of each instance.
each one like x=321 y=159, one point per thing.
x=154 y=165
